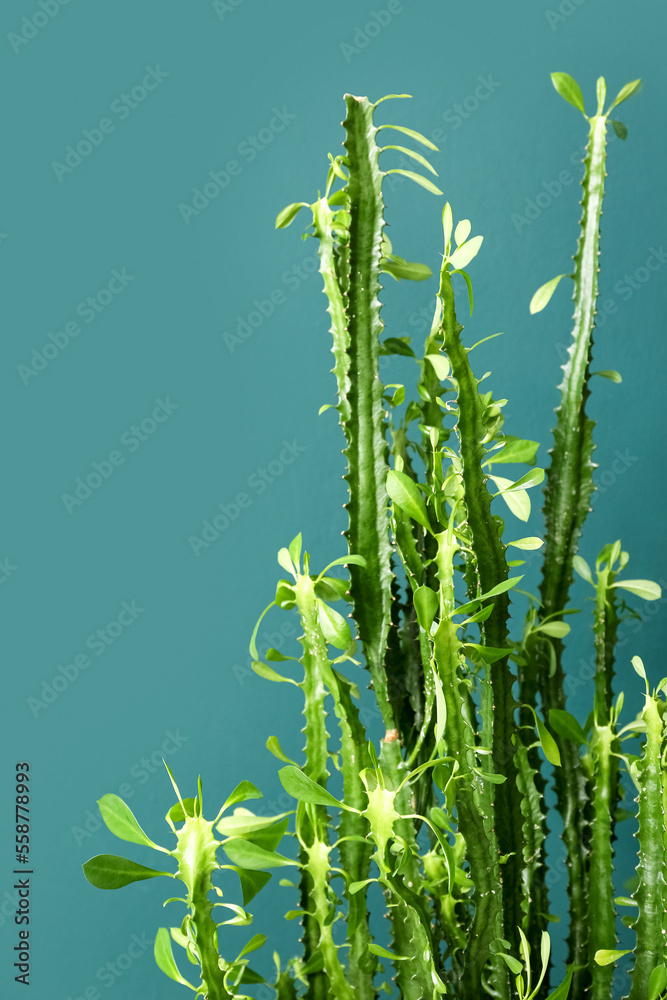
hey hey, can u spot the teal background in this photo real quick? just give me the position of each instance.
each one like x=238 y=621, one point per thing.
x=180 y=667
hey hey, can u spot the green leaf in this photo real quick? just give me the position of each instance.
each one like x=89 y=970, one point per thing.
x=545 y=952
x=515 y=965
x=253 y=944
x=180 y=938
x=273 y=746
x=350 y=560
x=529 y=543
x=418 y=178
x=303 y=788
x=447 y=223
x=391 y=97
x=331 y=588
x=241 y=918
x=557 y=630
x=547 y=742
x=164 y=958
x=244 y=790
x=462 y=231
x=563 y=990
x=518 y=502
x=605 y=956
x=566 y=725
x=601 y=93
x=275 y=656
x=466 y=278
x=355 y=887
x=495 y=779
x=532 y=478
x=397 y=345
x=542 y=296
x=657 y=982
x=406 y=494
x=269 y=674
x=619 y=128
x=295 y=549
x=245 y=854
x=241 y=823
x=177 y=814
x=639 y=668
x=581 y=567
x=500 y=588
x=287 y=216
x=426 y=606
x=484 y=613
x=465 y=253
x=119 y=818
x=439 y=816
x=569 y=89
x=625 y=93
x=285 y=560
x=107 y=871
x=250 y=976
x=271 y=836
x=377 y=949
x=440 y=365
x=252 y=882
x=515 y=450
x=440 y=709
x=408 y=270
x=626 y=900
x=334 y=627
x=314 y=964
x=646 y=589
x=325 y=407
x=413 y=135
x=415 y=156
x=490 y=654
x=285 y=598
x=613 y=376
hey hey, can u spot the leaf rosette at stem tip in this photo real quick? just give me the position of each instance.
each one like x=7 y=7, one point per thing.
x=249 y=842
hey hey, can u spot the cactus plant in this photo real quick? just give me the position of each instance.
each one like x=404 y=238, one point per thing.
x=448 y=815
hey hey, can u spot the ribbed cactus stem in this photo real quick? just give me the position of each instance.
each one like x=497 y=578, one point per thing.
x=651 y=894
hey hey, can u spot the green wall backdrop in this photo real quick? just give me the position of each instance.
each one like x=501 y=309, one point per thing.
x=163 y=339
